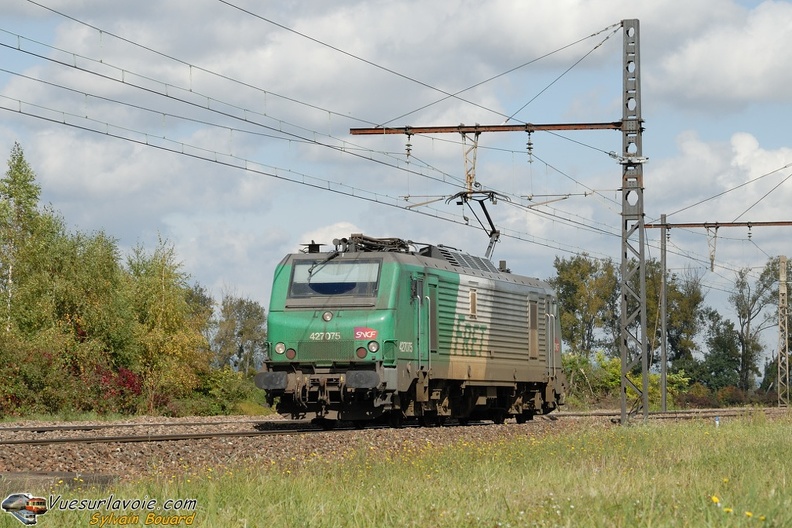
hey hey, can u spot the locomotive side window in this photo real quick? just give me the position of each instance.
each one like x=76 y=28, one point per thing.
x=533 y=329
x=473 y=304
x=357 y=278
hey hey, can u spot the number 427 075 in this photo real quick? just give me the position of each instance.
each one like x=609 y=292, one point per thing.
x=325 y=336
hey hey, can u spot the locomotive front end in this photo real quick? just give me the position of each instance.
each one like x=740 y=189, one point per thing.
x=328 y=326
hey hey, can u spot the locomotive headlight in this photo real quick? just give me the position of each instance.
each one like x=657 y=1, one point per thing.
x=373 y=346
x=327 y=316
x=280 y=348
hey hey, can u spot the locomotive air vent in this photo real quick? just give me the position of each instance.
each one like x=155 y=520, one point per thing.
x=462 y=260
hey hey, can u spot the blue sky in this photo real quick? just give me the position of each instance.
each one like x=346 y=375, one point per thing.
x=271 y=90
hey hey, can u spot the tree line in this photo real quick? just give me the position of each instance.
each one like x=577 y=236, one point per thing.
x=712 y=359
x=84 y=329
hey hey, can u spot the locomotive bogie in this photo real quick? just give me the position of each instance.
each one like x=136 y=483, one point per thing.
x=393 y=334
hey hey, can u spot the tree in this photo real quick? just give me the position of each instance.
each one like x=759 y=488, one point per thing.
x=69 y=329
x=587 y=291
x=19 y=196
x=721 y=365
x=174 y=351
x=685 y=312
x=750 y=302
x=241 y=335
x=202 y=307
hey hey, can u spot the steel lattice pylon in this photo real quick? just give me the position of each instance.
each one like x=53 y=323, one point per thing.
x=783 y=336
x=633 y=342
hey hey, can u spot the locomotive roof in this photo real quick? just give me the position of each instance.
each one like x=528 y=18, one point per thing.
x=359 y=243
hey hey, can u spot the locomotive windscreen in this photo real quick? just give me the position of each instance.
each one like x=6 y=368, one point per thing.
x=357 y=278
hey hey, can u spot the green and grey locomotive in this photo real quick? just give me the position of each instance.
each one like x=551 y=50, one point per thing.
x=377 y=329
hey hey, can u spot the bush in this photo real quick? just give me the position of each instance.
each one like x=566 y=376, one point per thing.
x=731 y=396
x=222 y=389
x=592 y=382
x=697 y=396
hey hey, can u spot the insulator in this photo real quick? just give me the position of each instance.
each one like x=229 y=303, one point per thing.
x=529 y=147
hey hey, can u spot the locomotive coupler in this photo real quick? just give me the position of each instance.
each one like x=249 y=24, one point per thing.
x=323 y=397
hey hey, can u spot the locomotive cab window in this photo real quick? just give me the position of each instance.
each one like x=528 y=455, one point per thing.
x=357 y=278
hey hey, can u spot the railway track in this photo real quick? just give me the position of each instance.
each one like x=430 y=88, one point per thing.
x=680 y=414
x=96 y=427
x=150 y=438
x=268 y=429
x=156 y=431
x=51 y=434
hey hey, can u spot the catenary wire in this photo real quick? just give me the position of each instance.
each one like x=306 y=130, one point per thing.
x=208 y=98
x=199 y=68
x=581 y=59
x=309 y=105
x=352 y=55
x=485 y=81
x=244 y=118
x=725 y=192
x=763 y=197
x=303 y=179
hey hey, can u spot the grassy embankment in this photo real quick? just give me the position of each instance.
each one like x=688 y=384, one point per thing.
x=659 y=474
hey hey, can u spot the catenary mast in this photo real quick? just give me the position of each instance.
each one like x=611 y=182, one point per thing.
x=633 y=340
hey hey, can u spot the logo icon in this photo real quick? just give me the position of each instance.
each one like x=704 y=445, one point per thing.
x=25 y=507
x=362 y=332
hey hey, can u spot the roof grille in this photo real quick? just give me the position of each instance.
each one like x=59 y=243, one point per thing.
x=463 y=260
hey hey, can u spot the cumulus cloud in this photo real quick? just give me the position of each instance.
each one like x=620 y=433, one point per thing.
x=734 y=64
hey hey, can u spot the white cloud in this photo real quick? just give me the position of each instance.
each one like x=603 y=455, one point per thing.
x=738 y=63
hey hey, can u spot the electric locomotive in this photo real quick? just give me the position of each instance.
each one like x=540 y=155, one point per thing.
x=379 y=330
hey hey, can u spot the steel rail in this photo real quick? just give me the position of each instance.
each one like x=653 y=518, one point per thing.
x=94 y=427
x=151 y=438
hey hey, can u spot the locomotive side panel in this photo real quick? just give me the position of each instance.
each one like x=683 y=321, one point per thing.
x=492 y=331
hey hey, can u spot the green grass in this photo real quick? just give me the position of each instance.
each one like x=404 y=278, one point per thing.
x=658 y=474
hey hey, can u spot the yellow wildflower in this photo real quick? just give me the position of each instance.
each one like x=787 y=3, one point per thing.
x=715 y=499
x=748 y=514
